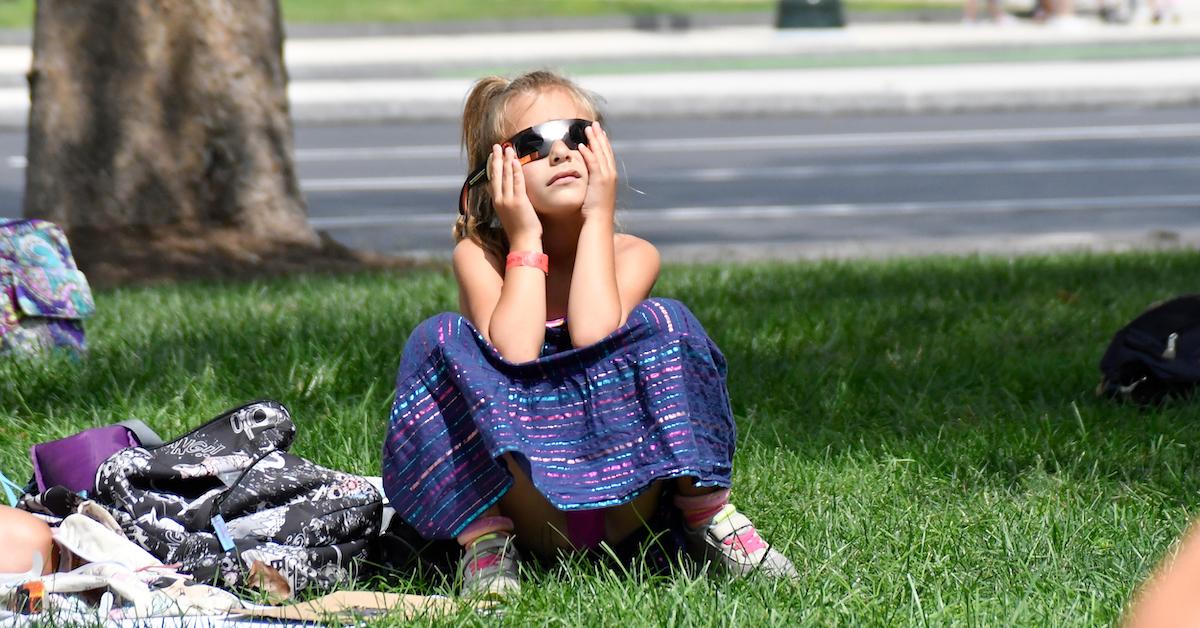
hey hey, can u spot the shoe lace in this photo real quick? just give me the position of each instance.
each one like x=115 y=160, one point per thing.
x=745 y=540
x=485 y=558
x=481 y=563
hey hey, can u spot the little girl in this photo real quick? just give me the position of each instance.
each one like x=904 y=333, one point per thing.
x=562 y=402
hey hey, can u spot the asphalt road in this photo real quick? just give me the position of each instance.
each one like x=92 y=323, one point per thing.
x=803 y=187
x=796 y=187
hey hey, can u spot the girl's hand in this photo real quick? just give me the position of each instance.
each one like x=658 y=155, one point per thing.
x=601 y=197
x=512 y=204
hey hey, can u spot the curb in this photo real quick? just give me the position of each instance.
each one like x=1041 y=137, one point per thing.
x=449 y=110
x=981 y=87
x=1061 y=86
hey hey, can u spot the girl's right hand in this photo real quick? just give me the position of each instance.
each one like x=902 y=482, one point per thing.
x=508 y=195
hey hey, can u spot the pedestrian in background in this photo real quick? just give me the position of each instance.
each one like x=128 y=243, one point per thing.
x=995 y=11
x=1164 y=10
x=1058 y=13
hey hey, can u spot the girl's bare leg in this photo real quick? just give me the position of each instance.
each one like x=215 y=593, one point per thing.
x=1168 y=598
x=687 y=486
x=621 y=521
x=539 y=526
x=22 y=535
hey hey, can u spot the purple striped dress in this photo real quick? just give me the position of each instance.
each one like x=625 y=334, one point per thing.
x=594 y=426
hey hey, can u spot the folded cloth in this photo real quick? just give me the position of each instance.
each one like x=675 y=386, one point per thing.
x=92 y=542
x=142 y=594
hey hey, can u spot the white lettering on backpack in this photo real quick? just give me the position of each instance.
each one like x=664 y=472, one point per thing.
x=189 y=446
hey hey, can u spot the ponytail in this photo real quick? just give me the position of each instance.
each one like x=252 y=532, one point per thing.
x=480 y=223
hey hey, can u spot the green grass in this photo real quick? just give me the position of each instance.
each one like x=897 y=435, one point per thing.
x=432 y=10
x=16 y=13
x=920 y=436
x=19 y=13
x=1075 y=52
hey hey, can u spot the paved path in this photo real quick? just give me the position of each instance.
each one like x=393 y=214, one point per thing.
x=740 y=69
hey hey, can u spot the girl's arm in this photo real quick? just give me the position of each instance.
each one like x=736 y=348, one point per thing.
x=507 y=306
x=606 y=282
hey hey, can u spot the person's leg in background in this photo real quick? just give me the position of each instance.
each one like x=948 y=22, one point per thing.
x=21 y=536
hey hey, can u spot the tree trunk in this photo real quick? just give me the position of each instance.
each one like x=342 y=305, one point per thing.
x=164 y=125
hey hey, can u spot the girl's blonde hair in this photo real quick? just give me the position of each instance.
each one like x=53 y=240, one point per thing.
x=483 y=124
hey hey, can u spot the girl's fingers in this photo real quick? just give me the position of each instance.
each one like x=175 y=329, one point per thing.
x=605 y=146
x=495 y=167
x=589 y=157
x=507 y=175
x=601 y=159
x=518 y=182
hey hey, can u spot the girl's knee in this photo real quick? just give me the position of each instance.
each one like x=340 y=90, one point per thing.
x=439 y=328
x=666 y=315
x=431 y=334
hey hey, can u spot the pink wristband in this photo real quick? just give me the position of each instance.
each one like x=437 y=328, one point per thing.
x=539 y=261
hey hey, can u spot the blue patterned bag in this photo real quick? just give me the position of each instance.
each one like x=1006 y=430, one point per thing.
x=44 y=297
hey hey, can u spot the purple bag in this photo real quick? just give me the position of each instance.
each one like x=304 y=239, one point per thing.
x=43 y=296
x=72 y=461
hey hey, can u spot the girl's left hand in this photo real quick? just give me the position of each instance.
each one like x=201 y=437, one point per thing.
x=601 y=196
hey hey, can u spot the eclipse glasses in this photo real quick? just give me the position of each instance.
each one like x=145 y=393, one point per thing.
x=532 y=144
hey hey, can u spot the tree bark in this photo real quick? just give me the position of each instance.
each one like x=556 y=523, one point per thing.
x=162 y=120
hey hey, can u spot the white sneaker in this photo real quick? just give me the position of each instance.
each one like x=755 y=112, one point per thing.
x=730 y=542
x=488 y=568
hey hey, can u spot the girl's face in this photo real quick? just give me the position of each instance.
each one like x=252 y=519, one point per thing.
x=556 y=185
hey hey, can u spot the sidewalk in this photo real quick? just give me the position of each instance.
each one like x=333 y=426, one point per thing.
x=747 y=69
x=758 y=69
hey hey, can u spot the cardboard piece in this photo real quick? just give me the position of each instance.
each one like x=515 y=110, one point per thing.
x=351 y=606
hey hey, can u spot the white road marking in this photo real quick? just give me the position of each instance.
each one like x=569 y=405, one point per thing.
x=741 y=212
x=819 y=140
x=724 y=175
x=381 y=220
x=382 y=183
x=782 y=142
x=373 y=153
x=968 y=207
x=1028 y=166
x=924 y=138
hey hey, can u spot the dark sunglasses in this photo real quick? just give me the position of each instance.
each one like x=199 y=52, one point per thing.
x=532 y=144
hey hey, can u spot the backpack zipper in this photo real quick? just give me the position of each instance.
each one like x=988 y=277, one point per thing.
x=1169 y=352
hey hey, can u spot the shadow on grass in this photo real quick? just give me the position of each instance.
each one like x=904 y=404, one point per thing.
x=920 y=435
x=969 y=366
x=175 y=356
x=972 y=368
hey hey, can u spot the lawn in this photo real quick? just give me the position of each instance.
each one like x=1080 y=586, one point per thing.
x=19 y=13
x=920 y=436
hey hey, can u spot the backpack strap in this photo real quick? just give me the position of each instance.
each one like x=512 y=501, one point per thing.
x=9 y=485
x=146 y=436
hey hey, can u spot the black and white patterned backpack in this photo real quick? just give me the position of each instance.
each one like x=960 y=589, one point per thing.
x=228 y=495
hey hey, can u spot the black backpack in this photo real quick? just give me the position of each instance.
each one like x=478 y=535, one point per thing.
x=228 y=495
x=1156 y=355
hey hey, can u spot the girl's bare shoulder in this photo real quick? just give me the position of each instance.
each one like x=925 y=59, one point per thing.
x=470 y=257
x=637 y=263
x=633 y=246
